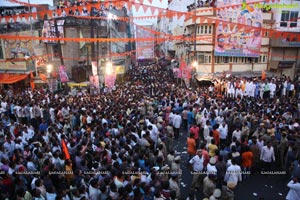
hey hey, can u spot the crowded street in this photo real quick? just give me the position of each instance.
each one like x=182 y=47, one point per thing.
x=150 y=137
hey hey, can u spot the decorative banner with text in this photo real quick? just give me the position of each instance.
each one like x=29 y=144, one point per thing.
x=110 y=80
x=63 y=74
x=49 y=30
x=94 y=81
x=238 y=31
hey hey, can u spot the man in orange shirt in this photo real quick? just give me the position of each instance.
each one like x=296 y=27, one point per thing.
x=247 y=158
x=195 y=130
x=216 y=134
x=191 y=146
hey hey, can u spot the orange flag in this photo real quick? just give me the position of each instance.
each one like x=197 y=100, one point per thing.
x=31 y=81
x=65 y=150
x=263 y=75
x=43 y=77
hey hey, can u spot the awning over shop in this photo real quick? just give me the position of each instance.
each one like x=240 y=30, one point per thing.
x=285 y=64
x=82 y=84
x=11 y=78
x=204 y=77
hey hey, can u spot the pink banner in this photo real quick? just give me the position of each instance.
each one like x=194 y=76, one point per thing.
x=110 y=80
x=63 y=74
x=94 y=68
x=176 y=72
x=186 y=73
x=183 y=73
x=94 y=81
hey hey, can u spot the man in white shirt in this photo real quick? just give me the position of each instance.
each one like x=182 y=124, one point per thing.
x=267 y=156
x=223 y=129
x=272 y=86
x=177 y=120
x=197 y=165
x=206 y=130
x=237 y=133
x=294 y=192
x=94 y=190
x=233 y=173
x=211 y=166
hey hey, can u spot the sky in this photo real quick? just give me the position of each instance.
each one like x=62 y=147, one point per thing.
x=7 y=3
x=155 y=3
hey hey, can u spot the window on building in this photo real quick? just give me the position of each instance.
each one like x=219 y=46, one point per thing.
x=207 y=58
x=293 y=18
x=1 y=50
x=256 y=60
x=289 y=18
x=209 y=29
x=205 y=29
x=263 y=58
x=55 y=51
x=198 y=29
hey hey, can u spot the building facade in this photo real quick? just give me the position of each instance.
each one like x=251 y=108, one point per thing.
x=74 y=55
x=203 y=29
x=285 y=49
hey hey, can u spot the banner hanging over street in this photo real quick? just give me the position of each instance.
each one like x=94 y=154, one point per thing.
x=144 y=49
x=238 y=30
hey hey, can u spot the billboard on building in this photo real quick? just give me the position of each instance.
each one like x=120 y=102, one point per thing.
x=49 y=30
x=144 y=49
x=238 y=29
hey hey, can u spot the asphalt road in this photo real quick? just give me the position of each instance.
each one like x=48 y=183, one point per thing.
x=256 y=187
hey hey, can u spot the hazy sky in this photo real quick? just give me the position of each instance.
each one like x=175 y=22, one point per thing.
x=147 y=12
x=7 y=3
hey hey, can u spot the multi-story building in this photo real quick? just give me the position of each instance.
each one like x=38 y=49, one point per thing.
x=285 y=48
x=72 y=54
x=229 y=23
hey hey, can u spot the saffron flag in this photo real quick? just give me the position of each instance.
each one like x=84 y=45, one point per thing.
x=43 y=77
x=32 y=85
x=182 y=64
x=65 y=150
x=263 y=75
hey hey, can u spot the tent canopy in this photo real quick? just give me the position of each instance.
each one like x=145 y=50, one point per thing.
x=12 y=78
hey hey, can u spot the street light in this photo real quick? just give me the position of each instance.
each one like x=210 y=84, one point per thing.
x=49 y=68
x=195 y=68
x=108 y=68
x=195 y=65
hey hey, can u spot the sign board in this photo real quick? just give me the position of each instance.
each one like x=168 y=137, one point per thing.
x=53 y=85
x=13 y=66
x=50 y=32
x=238 y=30
x=144 y=49
x=120 y=69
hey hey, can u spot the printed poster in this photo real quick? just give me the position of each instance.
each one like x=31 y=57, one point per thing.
x=63 y=74
x=238 y=29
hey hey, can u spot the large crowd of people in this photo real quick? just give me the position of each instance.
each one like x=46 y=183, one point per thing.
x=119 y=144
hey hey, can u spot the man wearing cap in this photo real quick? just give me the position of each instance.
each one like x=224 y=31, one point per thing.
x=197 y=163
x=211 y=168
x=174 y=184
x=216 y=194
x=233 y=172
x=209 y=185
x=227 y=191
x=175 y=166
